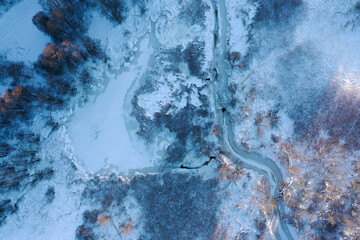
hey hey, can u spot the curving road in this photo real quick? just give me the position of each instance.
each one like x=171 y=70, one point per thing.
x=250 y=160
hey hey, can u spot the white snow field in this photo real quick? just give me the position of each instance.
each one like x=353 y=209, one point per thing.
x=20 y=40
x=99 y=129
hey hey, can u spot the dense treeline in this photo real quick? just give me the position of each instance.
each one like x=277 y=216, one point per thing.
x=59 y=74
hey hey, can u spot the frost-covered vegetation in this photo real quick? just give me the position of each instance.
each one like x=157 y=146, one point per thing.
x=174 y=96
x=202 y=82
x=34 y=93
x=187 y=107
x=144 y=202
x=295 y=88
x=176 y=204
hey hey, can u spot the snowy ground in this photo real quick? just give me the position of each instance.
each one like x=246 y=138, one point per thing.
x=284 y=79
x=152 y=153
x=281 y=89
x=164 y=62
x=20 y=40
x=147 y=49
x=54 y=216
x=97 y=125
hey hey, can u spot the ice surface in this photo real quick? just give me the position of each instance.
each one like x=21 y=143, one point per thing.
x=20 y=40
x=99 y=129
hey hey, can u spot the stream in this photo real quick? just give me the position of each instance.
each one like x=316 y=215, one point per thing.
x=249 y=160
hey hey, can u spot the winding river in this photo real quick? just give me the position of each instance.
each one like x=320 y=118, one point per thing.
x=250 y=160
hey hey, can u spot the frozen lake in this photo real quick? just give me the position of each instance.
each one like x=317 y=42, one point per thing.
x=99 y=131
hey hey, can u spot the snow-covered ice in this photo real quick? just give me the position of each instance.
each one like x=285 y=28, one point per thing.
x=99 y=130
x=20 y=40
